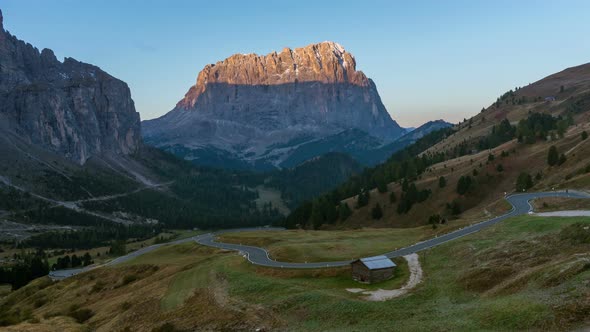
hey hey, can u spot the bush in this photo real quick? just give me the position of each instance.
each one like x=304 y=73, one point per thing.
x=81 y=315
x=129 y=279
x=584 y=135
x=40 y=302
x=166 y=327
x=562 y=159
x=98 y=286
x=125 y=305
x=500 y=168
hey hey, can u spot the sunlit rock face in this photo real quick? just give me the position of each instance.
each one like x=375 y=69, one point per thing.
x=68 y=107
x=259 y=108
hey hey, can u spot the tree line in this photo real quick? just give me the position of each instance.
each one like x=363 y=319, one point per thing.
x=404 y=165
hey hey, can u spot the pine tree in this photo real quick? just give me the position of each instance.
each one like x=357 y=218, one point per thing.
x=362 y=199
x=552 y=156
x=524 y=182
x=392 y=197
x=382 y=186
x=464 y=185
x=376 y=212
x=344 y=211
x=442 y=182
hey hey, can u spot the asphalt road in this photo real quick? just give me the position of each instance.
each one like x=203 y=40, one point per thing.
x=62 y=274
x=259 y=256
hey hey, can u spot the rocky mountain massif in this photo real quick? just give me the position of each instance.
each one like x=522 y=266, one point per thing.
x=254 y=111
x=72 y=108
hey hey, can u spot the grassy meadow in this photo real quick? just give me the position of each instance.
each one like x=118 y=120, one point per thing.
x=525 y=273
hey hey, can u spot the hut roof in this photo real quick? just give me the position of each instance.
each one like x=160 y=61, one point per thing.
x=377 y=262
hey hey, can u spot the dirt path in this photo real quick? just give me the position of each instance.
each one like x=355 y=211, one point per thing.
x=570 y=213
x=384 y=294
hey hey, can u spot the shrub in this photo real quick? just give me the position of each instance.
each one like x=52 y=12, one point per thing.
x=500 y=168
x=40 y=302
x=166 y=327
x=81 y=315
x=98 y=286
x=129 y=279
x=125 y=305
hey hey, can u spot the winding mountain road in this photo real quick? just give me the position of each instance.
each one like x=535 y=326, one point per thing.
x=259 y=256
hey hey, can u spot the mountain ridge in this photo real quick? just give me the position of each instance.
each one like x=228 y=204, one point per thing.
x=247 y=104
x=69 y=107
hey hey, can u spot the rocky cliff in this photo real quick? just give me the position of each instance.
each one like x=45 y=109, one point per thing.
x=69 y=107
x=258 y=107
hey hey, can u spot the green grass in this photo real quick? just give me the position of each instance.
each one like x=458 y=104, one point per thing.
x=320 y=246
x=544 y=286
x=5 y=290
x=180 y=255
x=184 y=284
x=440 y=302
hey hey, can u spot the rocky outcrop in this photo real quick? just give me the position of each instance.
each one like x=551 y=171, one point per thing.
x=69 y=107
x=259 y=107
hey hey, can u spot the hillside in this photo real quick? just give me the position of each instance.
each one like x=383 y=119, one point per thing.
x=487 y=153
x=526 y=273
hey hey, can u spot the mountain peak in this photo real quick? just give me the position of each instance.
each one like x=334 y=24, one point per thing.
x=334 y=45
x=325 y=62
x=258 y=109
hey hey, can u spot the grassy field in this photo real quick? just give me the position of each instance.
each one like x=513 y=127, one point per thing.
x=322 y=246
x=560 y=204
x=131 y=245
x=524 y=273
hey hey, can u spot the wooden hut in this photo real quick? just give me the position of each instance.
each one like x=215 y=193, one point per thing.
x=372 y=269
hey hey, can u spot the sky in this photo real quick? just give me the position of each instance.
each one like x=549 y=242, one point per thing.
x=429 y=59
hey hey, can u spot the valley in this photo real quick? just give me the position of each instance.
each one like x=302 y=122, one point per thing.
x=282 y=192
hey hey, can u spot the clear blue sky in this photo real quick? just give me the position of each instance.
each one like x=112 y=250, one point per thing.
x=429 y=59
